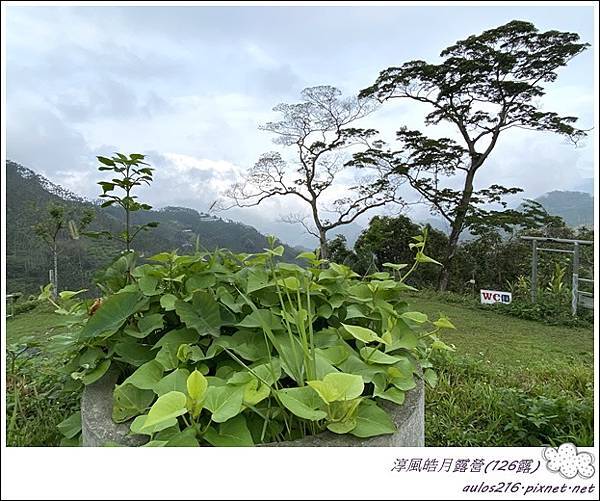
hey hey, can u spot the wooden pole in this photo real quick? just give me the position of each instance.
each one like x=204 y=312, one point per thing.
x=534 y=261
x=575 y=286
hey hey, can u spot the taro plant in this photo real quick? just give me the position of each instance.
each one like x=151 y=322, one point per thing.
x=229 y=349
x=130 y=172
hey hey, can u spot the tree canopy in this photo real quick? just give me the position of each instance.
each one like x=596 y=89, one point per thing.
x=319 y=130
x=484 y=85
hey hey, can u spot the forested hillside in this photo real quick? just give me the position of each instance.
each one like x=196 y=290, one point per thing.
x=575 y=207
x=28 y=259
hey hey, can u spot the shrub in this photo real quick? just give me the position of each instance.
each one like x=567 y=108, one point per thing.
x=25 y=306
x=235 y=349
x=551 y=309
x=476 y=404
x=548 y=308
x=38 y=395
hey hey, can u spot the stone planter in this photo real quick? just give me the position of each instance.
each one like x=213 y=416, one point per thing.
x=98 y=428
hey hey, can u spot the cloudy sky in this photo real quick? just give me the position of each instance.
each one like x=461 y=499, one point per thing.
x=189 y=85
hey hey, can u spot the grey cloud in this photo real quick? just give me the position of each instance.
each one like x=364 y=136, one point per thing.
x=107 y=98
x=108 y=60
x=279 y=81
x=198 y=81
x=40 y=140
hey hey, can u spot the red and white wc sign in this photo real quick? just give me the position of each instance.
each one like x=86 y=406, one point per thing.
x=491 y=297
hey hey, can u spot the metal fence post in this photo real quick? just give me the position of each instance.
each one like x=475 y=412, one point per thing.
x=534 y=260
x=575 y=286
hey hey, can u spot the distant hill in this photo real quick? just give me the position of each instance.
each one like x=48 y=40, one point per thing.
x=28 y=260
x=575 y=207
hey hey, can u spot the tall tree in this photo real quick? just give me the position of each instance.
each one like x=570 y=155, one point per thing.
x=319 y=130
x=55 y=221
x=485 y=85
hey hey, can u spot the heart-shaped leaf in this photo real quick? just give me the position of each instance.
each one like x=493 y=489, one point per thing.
x=302 y=402
x=224 y=402
x=338 y=386
x=372 y=420
x=362 y=333
x=167 y=406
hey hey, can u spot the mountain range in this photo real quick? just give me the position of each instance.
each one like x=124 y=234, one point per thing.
x=27 y=258
x=28 y=261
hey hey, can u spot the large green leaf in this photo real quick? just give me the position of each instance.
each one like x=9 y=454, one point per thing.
x=267 y=373
x=113 y=313
x=167 y=301
x=130 y=401
x=302 y=402
x=444 y=323
x=362 y=333
x=200 y=281
x=404 y=382
x=431 y=377
x=261 y=319
x=148 y=324
x=203 y=314
x=228 y=300
x=248 y=344
x=338 y=386
x=323 y=366
x=97 y=373
x=343 y=426
x=170 y=344
x=224 y=402
x=392 y=394
x=334 y=354
x=134 y=353
x=147 y=285
x=146 y=376
x=178 y=337
x=255 y=392
x=290 y=353
x=354 y=365
x=196 y=385
x=167 y=406
x=232 y=433
x=372 y=420
x=415 y=316
x=354 y=311
x=257 y=279
x=71 y=426
x=186 y=438
x=167 y=356
x=403 y=337
x=137 y=426
x=374 y=356
x=90 y=356
x=175 y=381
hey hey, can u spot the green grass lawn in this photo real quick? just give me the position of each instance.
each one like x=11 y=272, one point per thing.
x=510 y=382
x=507 y=340
x=38 y=324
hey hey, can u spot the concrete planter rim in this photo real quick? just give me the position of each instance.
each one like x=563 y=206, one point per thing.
x=99 y=429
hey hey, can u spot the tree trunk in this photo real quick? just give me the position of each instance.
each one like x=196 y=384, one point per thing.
x=451 y=251
x=55 y=262
x=457 y=227
x=323 y=244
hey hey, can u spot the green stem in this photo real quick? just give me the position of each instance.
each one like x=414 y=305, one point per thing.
x=286 y=321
